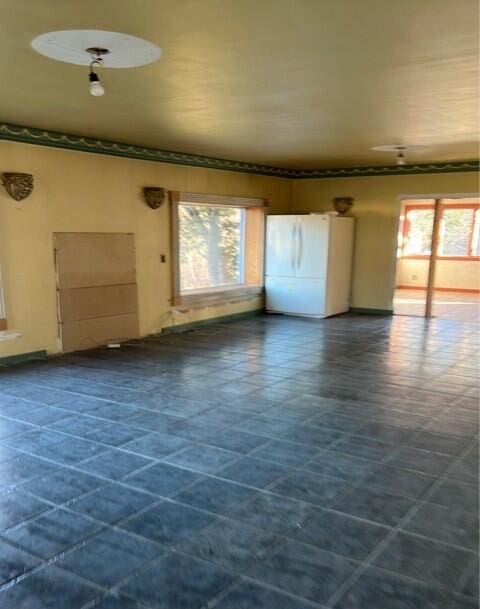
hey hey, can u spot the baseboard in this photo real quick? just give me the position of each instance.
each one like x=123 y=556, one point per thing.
x=362 y=311
x=11 y=360
x=208 y=322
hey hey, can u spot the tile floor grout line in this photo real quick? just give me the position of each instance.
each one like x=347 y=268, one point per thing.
x=398 y=527
x=124 y=480
x=470 y=569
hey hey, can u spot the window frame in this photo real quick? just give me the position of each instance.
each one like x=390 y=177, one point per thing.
x=3 y=311
x=253 y=247
x=444 y=206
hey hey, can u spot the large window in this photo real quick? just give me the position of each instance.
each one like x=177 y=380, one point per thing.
x=217 y=248
x=211 y=246
x=458 y=234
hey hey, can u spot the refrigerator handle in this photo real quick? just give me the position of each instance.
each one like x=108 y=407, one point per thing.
x=300 y=245
x=293 y=245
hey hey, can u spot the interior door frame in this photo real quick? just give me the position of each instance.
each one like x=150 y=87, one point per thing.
x=57 y=296
x=434 y=197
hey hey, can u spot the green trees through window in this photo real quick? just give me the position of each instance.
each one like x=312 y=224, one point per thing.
x=211 y=246
x=419 y=233
x=455 y=232
x=459 y=234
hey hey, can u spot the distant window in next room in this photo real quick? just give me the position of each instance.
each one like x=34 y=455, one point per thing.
x=458 y=235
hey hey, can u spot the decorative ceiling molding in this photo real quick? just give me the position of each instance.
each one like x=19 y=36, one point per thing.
x=388 y=170
x=30 y=135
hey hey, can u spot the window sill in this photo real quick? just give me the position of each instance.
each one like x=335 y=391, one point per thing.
x=214 y=297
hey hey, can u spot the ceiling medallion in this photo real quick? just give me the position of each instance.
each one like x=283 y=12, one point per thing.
x=18 y=185
x=154 y=196
x=96 y=48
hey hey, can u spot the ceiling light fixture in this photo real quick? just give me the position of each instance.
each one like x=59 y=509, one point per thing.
x=401 y=155
x=399 y=150
x=96 y=87
x=96 y=48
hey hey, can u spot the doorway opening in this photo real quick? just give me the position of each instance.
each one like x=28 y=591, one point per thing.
x=438 y=258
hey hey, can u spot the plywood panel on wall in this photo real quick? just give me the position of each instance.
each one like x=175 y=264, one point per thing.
x=94 y=259
x=98 y=301
x=97 y=290
x=88 y=333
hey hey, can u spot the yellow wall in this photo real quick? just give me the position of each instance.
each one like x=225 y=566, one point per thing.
x=376 y=209
x=86 y=192
x=452 y=274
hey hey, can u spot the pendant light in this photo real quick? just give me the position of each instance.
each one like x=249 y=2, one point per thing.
x=399 y=150
x=97 y=49
x=96 y=87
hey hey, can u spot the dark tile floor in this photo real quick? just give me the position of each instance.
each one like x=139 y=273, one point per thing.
x=269 y=463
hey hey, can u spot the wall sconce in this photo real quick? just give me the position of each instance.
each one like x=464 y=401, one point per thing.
x=343 y=204
x=18 y=185
x=154 y=197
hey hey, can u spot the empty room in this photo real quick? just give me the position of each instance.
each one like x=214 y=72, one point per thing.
x=239 y=304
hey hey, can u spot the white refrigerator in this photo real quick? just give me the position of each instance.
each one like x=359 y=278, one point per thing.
x=308 y=264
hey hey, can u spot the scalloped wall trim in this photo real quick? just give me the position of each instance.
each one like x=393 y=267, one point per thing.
x=30 y=135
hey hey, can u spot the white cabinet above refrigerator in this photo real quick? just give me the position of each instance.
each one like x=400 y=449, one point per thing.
x=308 y=264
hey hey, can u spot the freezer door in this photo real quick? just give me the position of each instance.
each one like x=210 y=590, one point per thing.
x=281 y=246
x=295 y=295
x=312 y=246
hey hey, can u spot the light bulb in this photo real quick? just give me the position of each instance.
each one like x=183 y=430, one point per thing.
x=400 y=159
x=96 y=87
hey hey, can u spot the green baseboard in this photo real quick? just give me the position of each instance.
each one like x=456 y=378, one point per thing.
x=363 y=311
x=11 y=360
x=211 y=321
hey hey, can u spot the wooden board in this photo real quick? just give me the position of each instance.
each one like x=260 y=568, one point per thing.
x=97 y=290
x=98 y=301
x=91 y=259
x=88 y=333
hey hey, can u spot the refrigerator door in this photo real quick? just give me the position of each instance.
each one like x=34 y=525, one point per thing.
x=312 y=246
x=281 y=253
x=296 y=296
